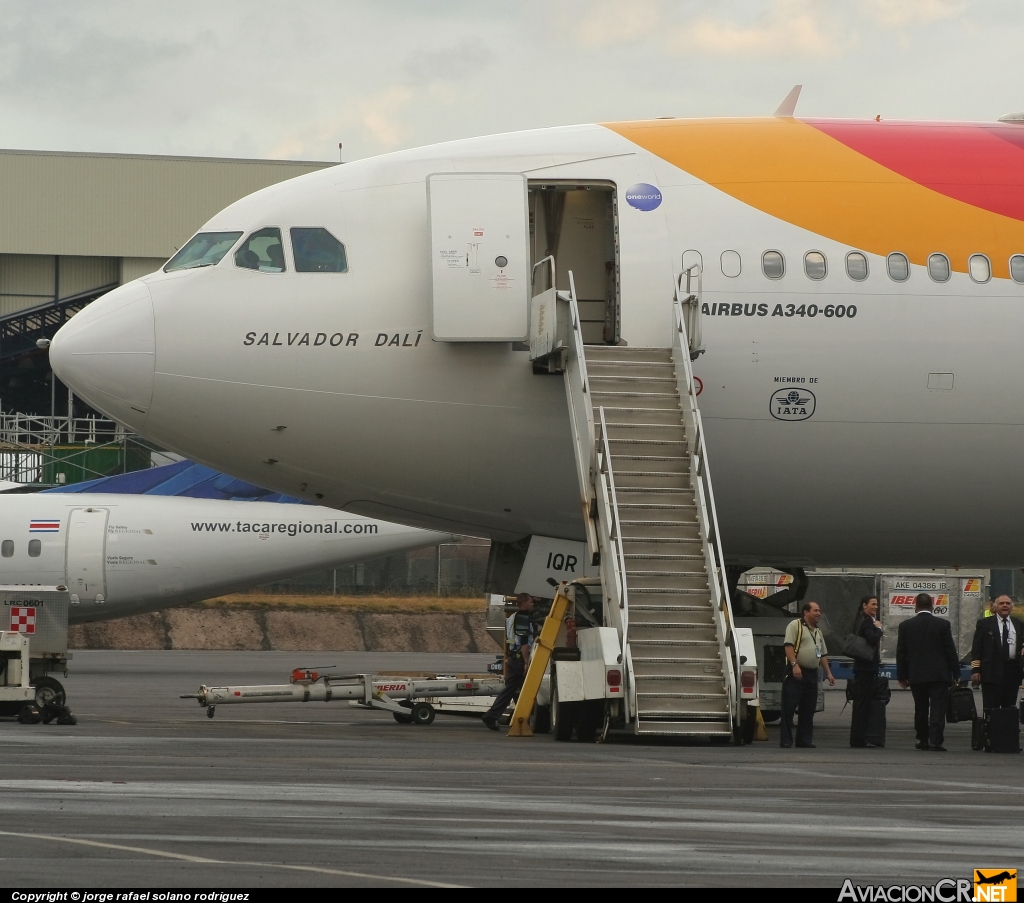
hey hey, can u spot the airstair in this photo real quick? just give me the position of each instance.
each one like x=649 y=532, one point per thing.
x=648 y=506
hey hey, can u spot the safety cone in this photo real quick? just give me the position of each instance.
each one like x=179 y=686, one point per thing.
x=760 y=732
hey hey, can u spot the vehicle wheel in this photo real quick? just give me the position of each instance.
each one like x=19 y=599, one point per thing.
x=402 y=719
x=422 y=713
x=49 y=691
x=540 y=719
x=563 y=717
x=29 y=714
x=770 y=715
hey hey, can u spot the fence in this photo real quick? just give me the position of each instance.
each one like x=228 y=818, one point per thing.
x=450 y=569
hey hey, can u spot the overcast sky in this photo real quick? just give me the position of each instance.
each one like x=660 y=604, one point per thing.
x=254 y=78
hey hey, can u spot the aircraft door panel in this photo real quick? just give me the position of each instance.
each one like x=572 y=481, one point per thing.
x=480 y=260
x=86 y=554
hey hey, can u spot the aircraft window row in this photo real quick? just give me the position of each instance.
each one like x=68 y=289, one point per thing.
x=35 y=548
x=315 y=250
x=897 y=266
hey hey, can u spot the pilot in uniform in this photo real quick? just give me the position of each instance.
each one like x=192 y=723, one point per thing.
x=996 y=655
x=519 y=636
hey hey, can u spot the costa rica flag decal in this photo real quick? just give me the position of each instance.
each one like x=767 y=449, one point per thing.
x=44 y=526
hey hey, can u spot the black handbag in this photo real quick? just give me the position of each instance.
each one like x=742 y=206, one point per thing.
x=855 y=646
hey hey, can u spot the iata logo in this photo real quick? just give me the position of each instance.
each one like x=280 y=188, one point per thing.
x=790 y=404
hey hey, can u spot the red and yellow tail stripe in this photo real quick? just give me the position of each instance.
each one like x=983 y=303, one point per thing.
x=918 y=188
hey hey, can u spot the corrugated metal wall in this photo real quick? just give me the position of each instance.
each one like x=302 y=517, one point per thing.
x=101 y=205
x=27 y=280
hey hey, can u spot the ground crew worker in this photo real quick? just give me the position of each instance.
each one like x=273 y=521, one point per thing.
x=804 y=646
x=519 y=637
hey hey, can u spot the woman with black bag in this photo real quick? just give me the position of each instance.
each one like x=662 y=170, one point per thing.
x=863 y=646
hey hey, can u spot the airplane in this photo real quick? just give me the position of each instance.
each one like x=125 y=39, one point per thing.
x=121 y=554
x=304 y=339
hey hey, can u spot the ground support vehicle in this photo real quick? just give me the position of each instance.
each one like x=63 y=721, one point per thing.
x=407 y=698
x=33 y=645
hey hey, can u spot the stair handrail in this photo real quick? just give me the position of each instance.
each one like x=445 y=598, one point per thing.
x=614 y=526
x=693 y=279
x=548 y=261
x=700 y=477
x=581 y=412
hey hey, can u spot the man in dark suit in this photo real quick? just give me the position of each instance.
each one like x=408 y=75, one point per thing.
x=926 y=662
x=996 y=655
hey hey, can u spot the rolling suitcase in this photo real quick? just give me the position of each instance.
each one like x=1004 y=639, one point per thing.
x=1002 y=730
x=978 y=734
x=875 y=732
x=961 y=705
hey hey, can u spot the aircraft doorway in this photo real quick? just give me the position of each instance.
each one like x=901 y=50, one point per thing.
x=576 y=223
x=87 y=554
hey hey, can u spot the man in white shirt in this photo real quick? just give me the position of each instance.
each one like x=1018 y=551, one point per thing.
x=996 y=655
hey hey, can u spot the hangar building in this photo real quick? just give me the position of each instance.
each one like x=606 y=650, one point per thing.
x=73 y=226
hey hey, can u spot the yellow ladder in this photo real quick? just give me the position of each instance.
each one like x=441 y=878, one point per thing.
x=543 y=646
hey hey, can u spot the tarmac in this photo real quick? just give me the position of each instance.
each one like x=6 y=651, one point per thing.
x=147 y=792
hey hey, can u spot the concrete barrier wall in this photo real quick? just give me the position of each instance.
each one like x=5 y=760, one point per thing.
x=269 y=628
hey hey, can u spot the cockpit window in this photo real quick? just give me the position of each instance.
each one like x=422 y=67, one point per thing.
x=317 y=251
x=262 y=251
x=203 y=250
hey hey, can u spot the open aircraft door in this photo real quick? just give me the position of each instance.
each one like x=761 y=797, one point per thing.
x=480 y=257
x=87 y=555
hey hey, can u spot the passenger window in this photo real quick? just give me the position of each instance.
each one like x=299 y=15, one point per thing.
x=856 y=266
x=34 y=548
x=773 y=264
x=7 y=548
x=815 y=265
x=317 y=251
x=262 y=251
x=899 y=267
x=203 y=250
x=979 y=268
x=1017 y=268
x=938 y=267
x=732 y=265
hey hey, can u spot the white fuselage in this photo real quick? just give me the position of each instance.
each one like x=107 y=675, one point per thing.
x=126 y=554
x=382 y=420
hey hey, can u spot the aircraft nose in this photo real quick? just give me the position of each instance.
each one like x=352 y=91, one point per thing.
x=106 y=352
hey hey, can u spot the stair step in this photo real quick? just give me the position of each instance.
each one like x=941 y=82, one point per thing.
x=635 y=415
x=690 y=669
x=666 y=401
x=642 y=635
x=645 y=531
x=654 y=652
x=633 y=607
x=625 y=381
x=664 y=519
x=678 y=694
x=672 y=621
x=631 y=369
x=673 y=583
x=650 y=481
x=683 y=709
x=665 y=431
x=630 y=572
x=627 y=352
x=685 y=728
x=634 y=504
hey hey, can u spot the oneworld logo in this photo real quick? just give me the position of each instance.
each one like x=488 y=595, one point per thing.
x=643 y=196
x=792 y=404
